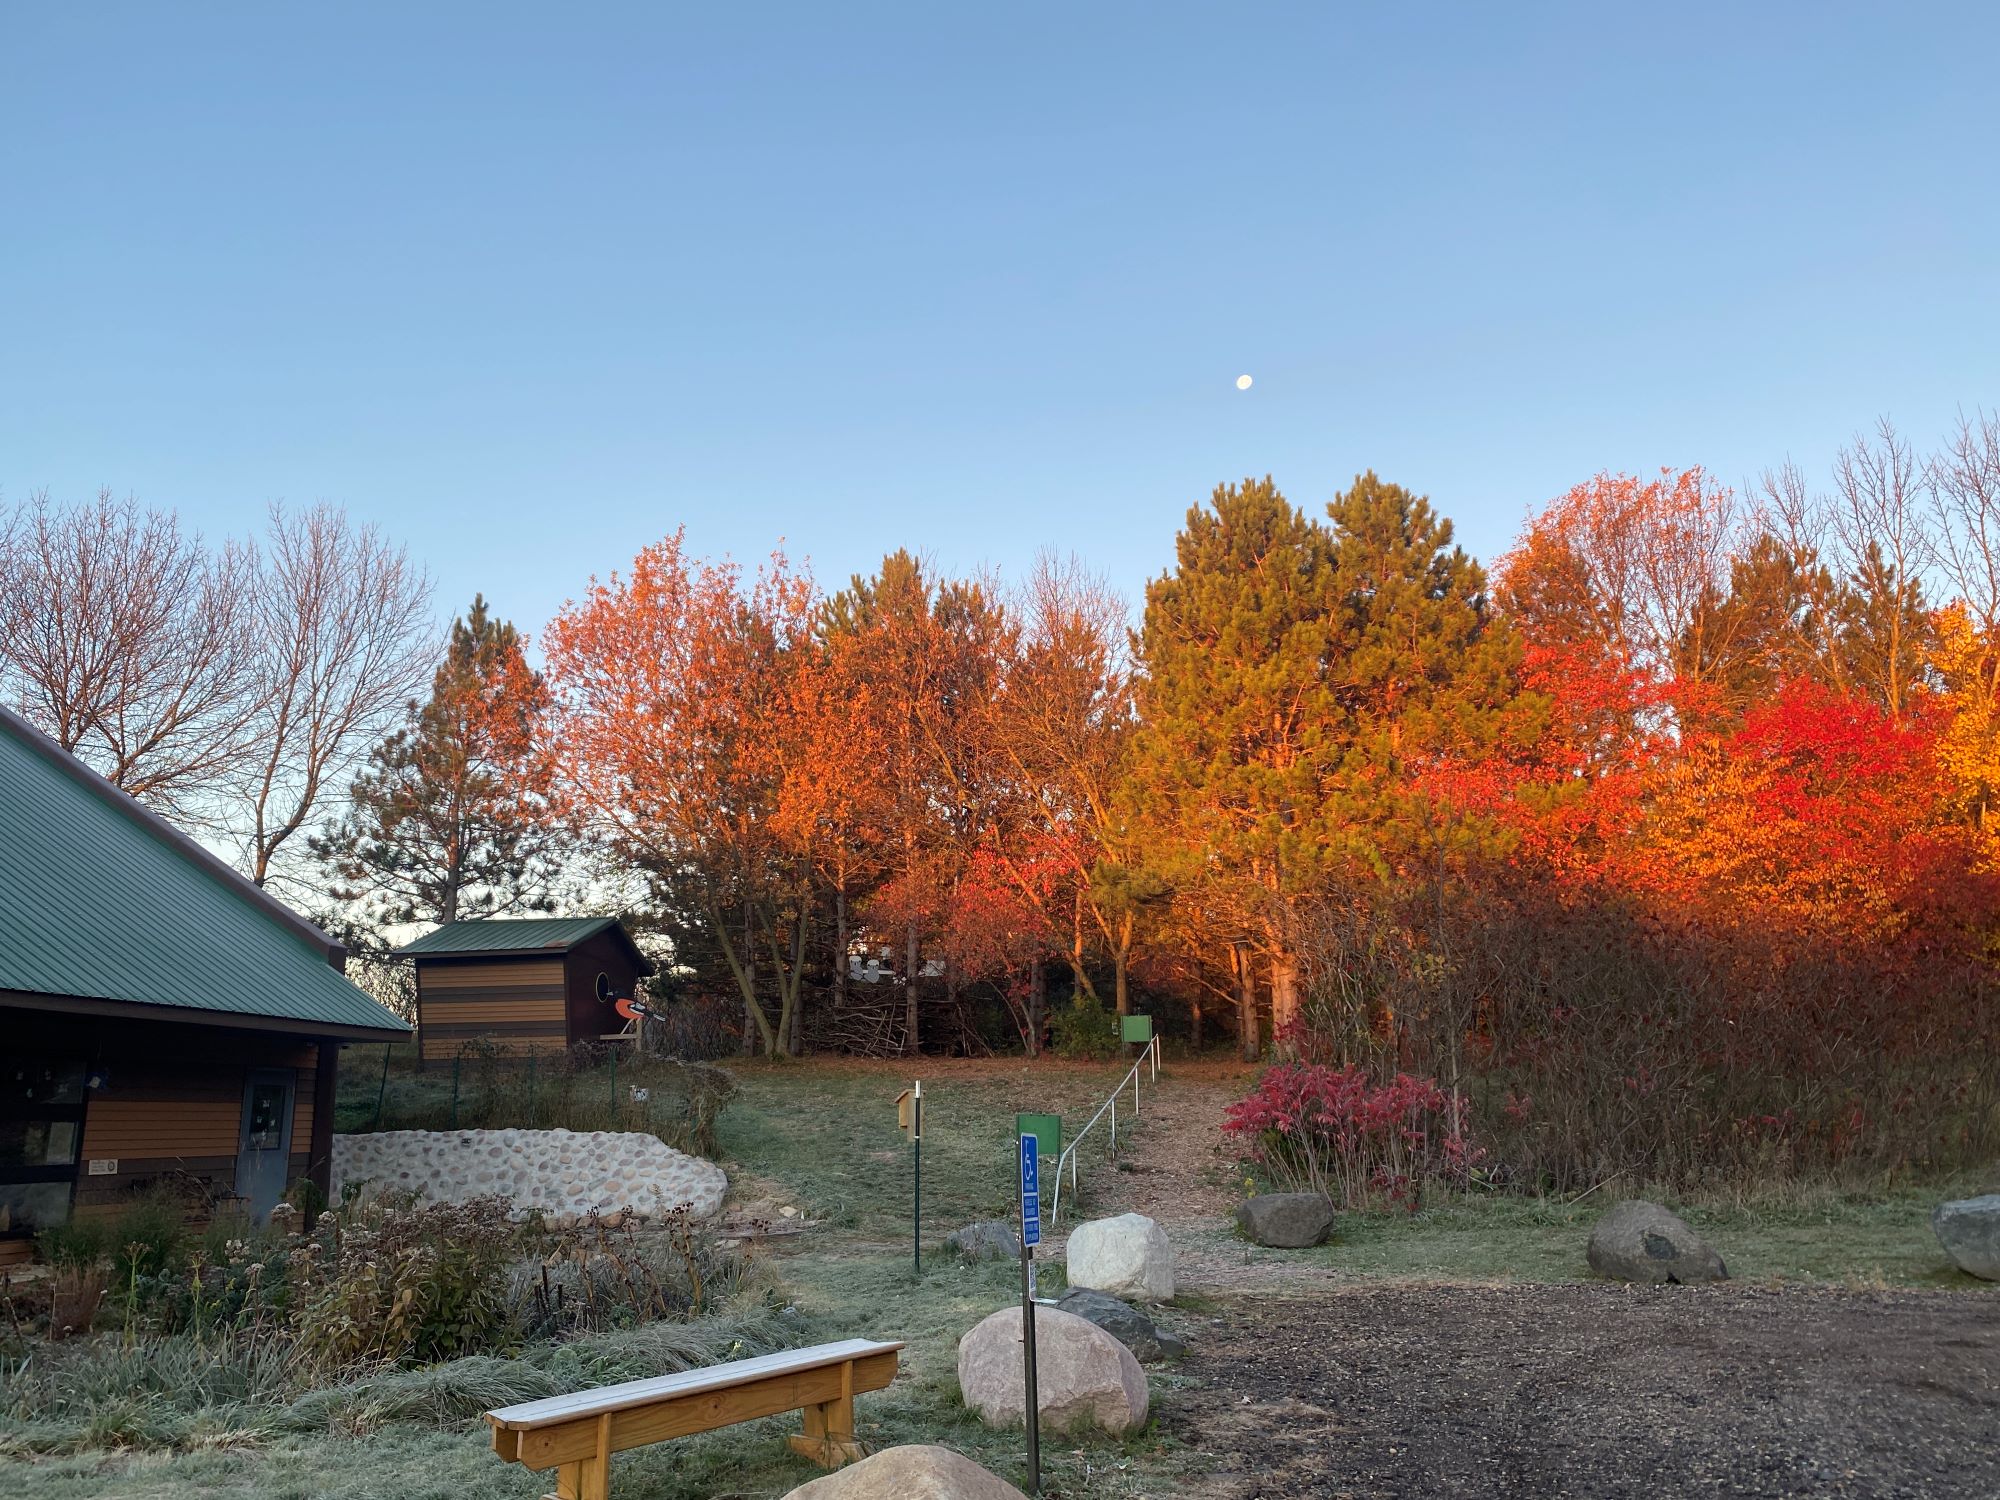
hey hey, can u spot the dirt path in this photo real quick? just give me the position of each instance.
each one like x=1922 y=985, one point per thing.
x=1178 y=1167
x=1597 y=1391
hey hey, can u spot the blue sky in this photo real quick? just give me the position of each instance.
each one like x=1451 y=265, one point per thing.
x=530 y=286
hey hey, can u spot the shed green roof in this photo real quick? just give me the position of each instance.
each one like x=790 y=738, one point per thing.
x=496 y=935
x=100 y=900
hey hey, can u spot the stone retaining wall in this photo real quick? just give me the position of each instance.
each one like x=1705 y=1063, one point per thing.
x=563 y=1173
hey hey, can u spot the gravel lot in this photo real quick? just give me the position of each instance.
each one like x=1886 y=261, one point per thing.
x=1597 y=1391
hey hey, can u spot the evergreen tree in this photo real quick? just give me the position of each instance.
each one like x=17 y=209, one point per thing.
x=450 y=818
x=1306 y=691
x=1778 y=624
x=1424 y=680
x=1230 y=760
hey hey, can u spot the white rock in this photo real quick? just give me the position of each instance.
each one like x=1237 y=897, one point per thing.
x=1127 y=1256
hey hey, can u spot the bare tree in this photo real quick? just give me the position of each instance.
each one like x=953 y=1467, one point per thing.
x=132 y=645
x=1881 y=524
x=344 y=619
x=1965 y=492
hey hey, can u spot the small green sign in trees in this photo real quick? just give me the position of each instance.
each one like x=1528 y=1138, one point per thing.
x=1137 y=1030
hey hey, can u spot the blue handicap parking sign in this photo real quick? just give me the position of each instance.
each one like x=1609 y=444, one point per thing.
x=1031 y=1191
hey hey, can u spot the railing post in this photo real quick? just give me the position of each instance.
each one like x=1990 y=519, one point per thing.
x=1114 y=1124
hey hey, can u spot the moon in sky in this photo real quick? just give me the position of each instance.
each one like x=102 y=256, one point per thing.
x=1242 y=382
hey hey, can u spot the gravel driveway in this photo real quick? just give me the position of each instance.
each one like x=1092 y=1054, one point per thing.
x=1597 y=1391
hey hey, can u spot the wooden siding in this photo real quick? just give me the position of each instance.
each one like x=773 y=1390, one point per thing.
x=484 y=974
x=171 y=1106
x=514 y=1005
x=182 y=1116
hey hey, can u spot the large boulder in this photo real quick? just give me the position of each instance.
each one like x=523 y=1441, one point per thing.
x=1124 y=1322
x=917 y=1471
x=1641 y=1241
x=1286 y=1221
x=1969 y=1230
x=989 y=1239
x=1084 y=1377
x=1127 y=1256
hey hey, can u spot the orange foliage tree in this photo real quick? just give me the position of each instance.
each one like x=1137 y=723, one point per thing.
x=671 y=698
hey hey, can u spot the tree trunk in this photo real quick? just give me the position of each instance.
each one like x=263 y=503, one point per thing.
x=1038 y=1005
x=1247 y=1045
x=1120 y=963
x=795 y=1002
x=752 y=1021
x=1284 y=994
x=912 y=1039
x=840 y=945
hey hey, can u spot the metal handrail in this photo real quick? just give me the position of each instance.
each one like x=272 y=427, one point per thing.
x=1151 y=1056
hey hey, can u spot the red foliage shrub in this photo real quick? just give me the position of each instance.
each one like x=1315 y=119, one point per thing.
x=1336 y=1131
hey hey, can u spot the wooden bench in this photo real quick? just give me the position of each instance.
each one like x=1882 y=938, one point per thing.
x=576 y=1435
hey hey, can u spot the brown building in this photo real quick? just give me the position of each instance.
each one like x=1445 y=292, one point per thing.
x=161 y=1018
x=522 y=984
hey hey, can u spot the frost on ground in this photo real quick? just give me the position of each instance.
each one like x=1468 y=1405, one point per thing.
x=564 y=1173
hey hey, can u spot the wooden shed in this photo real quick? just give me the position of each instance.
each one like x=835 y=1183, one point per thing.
x=161 y=1018
x=522 y=984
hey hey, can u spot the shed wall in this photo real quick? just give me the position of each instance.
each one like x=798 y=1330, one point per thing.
x=513 y=1004
x=591 y=1019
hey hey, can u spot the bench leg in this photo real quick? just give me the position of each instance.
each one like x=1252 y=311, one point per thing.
x=587 y=1478
x=829 y=1436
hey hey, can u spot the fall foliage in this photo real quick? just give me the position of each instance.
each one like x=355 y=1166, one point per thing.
x=1671 y=847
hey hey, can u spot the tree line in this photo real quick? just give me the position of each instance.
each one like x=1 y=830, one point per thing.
x=1336 y=790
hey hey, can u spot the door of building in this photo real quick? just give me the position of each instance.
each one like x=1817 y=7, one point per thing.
x=264 y=1148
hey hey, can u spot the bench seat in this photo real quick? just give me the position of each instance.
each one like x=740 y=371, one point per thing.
x=577 y=1434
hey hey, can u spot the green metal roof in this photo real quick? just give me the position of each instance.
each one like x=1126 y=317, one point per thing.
x=495 y=935
x=101 y=900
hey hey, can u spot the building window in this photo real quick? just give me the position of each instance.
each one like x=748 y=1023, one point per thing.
x=267 y=1116
x=41 y=1131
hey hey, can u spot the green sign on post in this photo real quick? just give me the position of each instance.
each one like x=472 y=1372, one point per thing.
x=1047 y=1130
x=1137 y=1030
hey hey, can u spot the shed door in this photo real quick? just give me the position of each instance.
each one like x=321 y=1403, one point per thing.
x=264 y=1148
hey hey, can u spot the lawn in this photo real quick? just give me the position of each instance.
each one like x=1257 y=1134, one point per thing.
x=821 y=1137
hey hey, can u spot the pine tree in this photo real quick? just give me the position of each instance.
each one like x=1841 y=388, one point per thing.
x=1424 y=680
x=1235 y=701
x=1306 y=693
x=450 y=818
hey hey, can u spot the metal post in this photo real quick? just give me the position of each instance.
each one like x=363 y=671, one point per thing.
x=382 y=1092
x=1114 y=1124
x=1032 y=1389
x=455 y=1062
x=1029 y=1183
x=614 y=1086
x=1135 y=1091
x=917 y=1181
